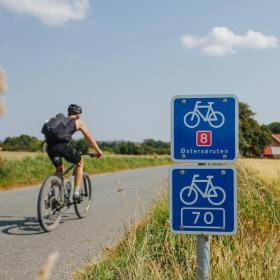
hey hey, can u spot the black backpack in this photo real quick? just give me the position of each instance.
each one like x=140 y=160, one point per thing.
x=55 y=130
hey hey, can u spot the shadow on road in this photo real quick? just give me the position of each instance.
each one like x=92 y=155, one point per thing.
x=14 y=225
x=20 y=225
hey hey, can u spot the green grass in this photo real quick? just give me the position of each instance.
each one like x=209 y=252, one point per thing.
x=151 y=251
x=30 y=171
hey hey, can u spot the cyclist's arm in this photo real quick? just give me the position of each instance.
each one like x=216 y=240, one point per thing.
x=82 y=127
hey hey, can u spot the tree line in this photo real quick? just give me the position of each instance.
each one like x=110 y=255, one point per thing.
x=253 y=137
x=147 y=147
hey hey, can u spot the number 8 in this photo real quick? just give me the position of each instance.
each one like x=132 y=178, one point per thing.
x=203 y=138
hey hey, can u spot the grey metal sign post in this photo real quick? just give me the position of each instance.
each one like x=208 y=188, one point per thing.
x=203 y=257
x=204 y=130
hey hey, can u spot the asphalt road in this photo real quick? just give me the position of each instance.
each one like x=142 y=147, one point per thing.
x=24 y=247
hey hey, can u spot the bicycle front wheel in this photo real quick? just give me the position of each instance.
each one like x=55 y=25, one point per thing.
x=82 y=207
x=49 y=203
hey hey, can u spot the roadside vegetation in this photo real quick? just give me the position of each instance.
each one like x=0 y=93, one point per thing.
x=30 y=171
x=151 y=251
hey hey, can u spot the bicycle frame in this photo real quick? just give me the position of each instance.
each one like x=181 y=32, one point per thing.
x=210 y=110
x=208 y=186
x=61 y=176
x=72 y=166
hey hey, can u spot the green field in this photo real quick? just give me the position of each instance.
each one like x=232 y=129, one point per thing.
x=32 y=170
x=151 y=251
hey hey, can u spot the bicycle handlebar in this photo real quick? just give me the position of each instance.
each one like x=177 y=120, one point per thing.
x=92 y=155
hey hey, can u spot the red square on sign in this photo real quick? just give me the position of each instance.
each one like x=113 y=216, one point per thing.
x=204 y=138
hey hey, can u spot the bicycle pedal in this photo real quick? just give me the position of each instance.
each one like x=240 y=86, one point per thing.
x=76 y=198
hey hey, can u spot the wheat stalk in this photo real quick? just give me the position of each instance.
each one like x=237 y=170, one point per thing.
x=46 y=270
x=2 y=80
x=2 y=89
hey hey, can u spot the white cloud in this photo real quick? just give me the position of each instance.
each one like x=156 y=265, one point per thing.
x=221 y=41
x=53 y=12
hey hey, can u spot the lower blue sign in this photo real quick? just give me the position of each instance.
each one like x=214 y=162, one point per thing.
x=203 y=200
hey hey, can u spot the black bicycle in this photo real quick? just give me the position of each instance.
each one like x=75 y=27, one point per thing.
x=56 y=196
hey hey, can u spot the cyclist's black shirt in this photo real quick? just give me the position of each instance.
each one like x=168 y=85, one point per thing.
x=71 y=127
x=57 y=150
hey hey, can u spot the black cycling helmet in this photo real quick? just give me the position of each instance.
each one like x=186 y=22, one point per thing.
x=74 y=109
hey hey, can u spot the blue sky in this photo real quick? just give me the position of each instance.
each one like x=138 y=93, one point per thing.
x=124 y=60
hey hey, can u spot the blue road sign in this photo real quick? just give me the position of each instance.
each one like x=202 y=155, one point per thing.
x=204 y=128
x=203 y=200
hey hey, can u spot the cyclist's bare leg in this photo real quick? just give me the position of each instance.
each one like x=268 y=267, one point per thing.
x=79 y=176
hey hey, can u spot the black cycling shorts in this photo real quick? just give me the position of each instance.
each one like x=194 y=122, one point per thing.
x=57 y=151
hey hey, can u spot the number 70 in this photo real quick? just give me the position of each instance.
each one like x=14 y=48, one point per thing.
x=208 y=217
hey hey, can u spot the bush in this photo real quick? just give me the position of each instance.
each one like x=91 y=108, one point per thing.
x=82 y=145
x=22 y=143
x=2 y=162
x=147 y=147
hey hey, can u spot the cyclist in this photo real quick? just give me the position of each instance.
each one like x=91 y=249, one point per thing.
x=58 y=132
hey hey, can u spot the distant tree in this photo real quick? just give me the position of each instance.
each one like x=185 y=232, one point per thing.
x=252 y=136
x=22 y=143
x=149 y=146
x=129 y=148
x=82 y=145
x=274 y=127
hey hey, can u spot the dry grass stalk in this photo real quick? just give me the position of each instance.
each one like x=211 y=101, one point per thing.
x=2 y=108
x=2 y=81
x=46 y=271
x=2 y=89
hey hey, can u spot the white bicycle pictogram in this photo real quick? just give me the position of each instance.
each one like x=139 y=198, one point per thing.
x=215 y=195
x=215 y=118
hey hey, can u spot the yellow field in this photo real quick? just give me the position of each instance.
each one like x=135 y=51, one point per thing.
x=18 y=155
x=265 y=168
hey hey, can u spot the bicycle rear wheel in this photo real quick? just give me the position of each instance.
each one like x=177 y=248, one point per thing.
x=82 y=207
x=48 y=205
